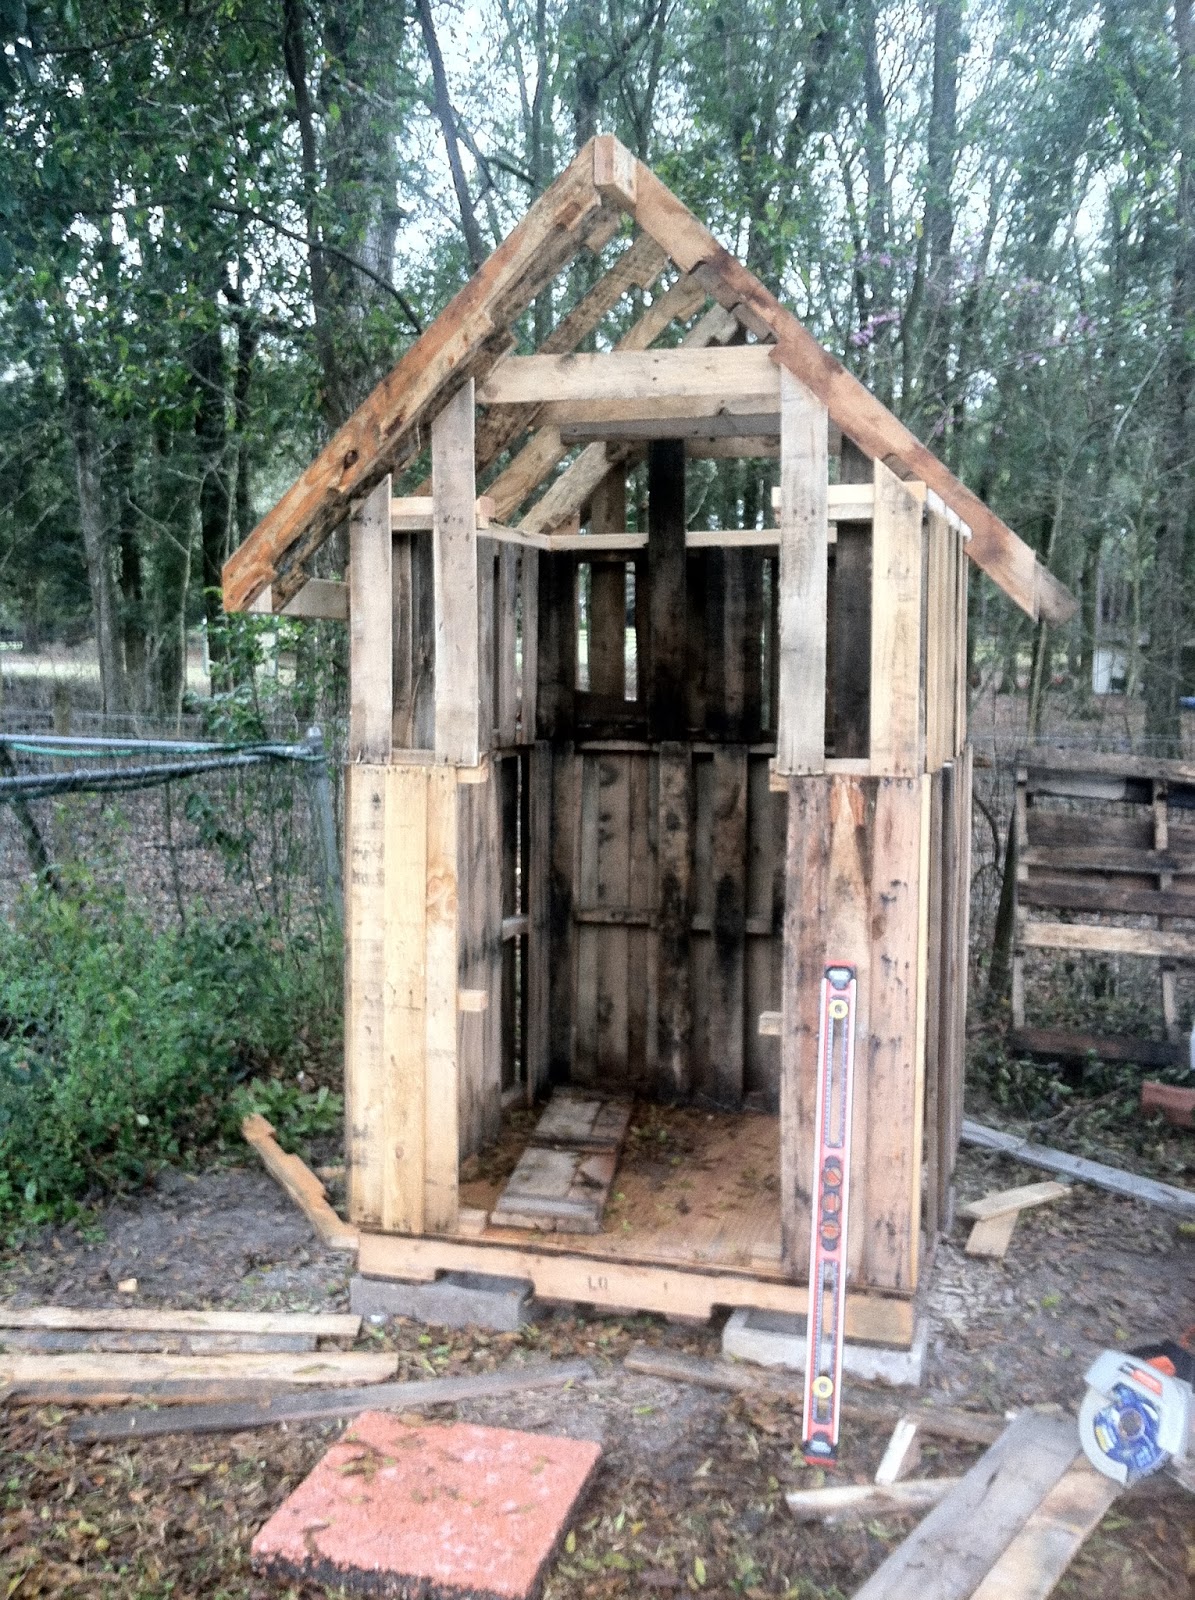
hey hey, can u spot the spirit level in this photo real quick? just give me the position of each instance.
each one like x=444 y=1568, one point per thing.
x=827 y=1244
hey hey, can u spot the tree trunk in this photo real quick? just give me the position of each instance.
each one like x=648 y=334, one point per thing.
x=934 y=327
x=211 y=438
x=96 y=545
x=132 y=598
x=473 y=240
x=1168 y=600
x=172 y=570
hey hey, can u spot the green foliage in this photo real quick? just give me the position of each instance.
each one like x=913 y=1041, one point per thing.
x=296 y=1114
x=120 y=1043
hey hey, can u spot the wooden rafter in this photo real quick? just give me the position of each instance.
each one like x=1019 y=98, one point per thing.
x=472 y=335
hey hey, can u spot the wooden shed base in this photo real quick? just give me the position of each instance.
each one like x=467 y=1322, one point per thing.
x=684 y=1232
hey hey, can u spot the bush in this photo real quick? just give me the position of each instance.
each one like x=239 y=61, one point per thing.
x=121 y=1044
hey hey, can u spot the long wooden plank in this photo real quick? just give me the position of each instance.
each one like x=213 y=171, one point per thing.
x=897 y=710
x=399 y=1136
x=322 y=1406
x=1164 y=1195
x=667 y=588
x=801 y=735
x=1107 y=941
x=32 y=1374
x=300 y=1183
x=1055 y=892
x=121 y=1319
x=537 y=1052
x=1035 y=1561
x=1058 y=1044
x=371 y=686
x=1029 y=1194
x=439 y=1099
x=383 y=431
x=674 y=1002
x=887 y=1221
x=632 y=375
x=993 y=546
x=459 y=734
x=805 y=912
x=946 y=1556
x=727 y=1022
x=365 y=985
x=603 y=1280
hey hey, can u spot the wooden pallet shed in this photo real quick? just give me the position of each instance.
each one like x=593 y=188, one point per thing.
x=619 y=786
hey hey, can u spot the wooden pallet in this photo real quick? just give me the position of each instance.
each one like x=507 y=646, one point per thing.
x=1105 y=839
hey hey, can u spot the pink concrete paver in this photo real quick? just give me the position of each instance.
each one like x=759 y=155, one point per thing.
x=430 y=1510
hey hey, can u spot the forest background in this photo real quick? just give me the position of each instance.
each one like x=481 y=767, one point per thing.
x=221 y=223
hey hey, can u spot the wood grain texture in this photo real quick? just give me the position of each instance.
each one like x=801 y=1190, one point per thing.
x=947 y=1555
x=371 y=688
x=300 y=1183
x=133 y=1319
x=454 y=495
x=1033 y=1564
x=399 y=1136
x=439 y=1102
x=801 y=725
x=897 y=712
x=364 y=988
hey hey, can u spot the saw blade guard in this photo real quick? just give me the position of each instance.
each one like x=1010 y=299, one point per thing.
x=1134 y=1419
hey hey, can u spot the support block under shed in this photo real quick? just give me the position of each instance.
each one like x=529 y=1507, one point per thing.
x=773 y=1339
x=456 y=1300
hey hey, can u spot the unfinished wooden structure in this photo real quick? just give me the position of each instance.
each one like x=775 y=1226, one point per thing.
x=619 y=786
x=1105 y=866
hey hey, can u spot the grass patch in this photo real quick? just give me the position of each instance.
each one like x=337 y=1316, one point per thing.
x=121 y=1044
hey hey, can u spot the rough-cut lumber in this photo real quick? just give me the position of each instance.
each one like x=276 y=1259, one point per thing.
x=167 y=1344
x=1059 y=1044
x=632 y=375
x=901 y=1454
x=459 y=736
x=1164 y=1195
x=1006 y=1200
x=993 y=546
x=991 y=1236
x=857 y=1502
x=383 y=432
x=1107 y=941
x=98 y=1373
x=371 y=678
x=331 y=1403
x=300 y=1183
x=320 y=599
x=896 y=713
x=119 y=1319
x=1175 y=1103
x=568 y=1273
x=957 y=1543
x=801 y=735
x=1038 y=1556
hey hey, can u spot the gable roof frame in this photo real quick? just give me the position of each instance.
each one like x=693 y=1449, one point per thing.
x=583 y=208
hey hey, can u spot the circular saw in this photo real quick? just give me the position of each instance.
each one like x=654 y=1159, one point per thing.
x=1138 y=1414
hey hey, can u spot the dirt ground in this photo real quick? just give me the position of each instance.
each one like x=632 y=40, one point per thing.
x=689 y=1495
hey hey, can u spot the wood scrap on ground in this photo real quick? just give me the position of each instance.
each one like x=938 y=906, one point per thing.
x=50 y=1340
x=563 y=1177
x=856 y=1502
x=301 y=1184
x=962 y=1538
x=122 y=1319
x=1164 y=1195
x=902 y=1454
x=995 y=1216
x=67 y=1379
x=1176 y=1104
x=1038 y=1556
x=941 y=1422
x=322 y=1405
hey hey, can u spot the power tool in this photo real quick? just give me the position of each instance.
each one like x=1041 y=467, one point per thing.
x=1138 y=1415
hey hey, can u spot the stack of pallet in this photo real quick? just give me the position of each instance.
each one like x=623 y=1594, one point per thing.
x=1105 y=865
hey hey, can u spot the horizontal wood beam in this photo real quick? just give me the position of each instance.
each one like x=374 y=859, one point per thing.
x=412 y=513
x=631 y=375
x=1100 y=940
x=761 y=425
